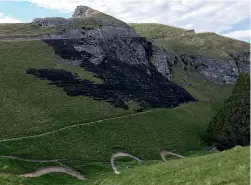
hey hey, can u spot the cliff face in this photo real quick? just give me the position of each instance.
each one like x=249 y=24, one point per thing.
x=216 y=70
x=117 y=40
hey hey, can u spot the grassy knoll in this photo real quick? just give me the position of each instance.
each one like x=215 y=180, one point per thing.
x=29 y=105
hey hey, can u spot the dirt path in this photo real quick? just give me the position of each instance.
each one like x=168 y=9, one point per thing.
x=121 y=154
x=50 y=169
x=54 y=169
x=73 y=126
x=164 y=153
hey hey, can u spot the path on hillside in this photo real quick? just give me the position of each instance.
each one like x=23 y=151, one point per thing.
x=73 y=126
x=83 y=124
x=54 y=169
x=49 y=169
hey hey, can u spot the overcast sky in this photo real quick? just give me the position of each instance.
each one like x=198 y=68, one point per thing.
x=229 y=18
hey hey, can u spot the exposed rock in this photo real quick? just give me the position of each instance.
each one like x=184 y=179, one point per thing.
x=216 y=70
x=99 y=33
x=189 y=32
x=219 y=71
x=51 y=22
x=87 y=15
x=243 y=61
x=121 y=59
x=116 y=39
x=82 y=11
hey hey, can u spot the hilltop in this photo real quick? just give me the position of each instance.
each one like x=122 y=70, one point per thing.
x=182 y=41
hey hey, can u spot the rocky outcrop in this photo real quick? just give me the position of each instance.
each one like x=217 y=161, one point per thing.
x=216 y=70
x=164 y=60
x=242 y=61
x=52 y=22
x=98 y=34
x=82 y=16
x=110 y=36
x=121 y=59
x=82 y=11
x=189 y=32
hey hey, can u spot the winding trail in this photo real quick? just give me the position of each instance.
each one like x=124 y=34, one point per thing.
x=50 y=169
x=54 y=169
x=121 y=154
x=164 y=153
x=73 y=126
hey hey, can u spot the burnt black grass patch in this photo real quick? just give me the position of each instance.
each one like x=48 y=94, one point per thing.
x=121 y=81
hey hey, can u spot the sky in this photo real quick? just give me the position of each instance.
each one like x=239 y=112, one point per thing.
x=229 y=18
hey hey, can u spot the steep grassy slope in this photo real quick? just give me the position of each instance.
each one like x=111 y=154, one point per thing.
x=200 y=87
x=176 y=40
x=180 y=130
x=157 y=31
x=229 y=167
x=31 y=106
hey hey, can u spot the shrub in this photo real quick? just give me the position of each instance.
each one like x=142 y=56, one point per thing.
x=231 y=124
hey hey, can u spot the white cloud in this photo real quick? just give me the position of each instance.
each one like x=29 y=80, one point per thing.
x=6 y=19
x=240 y=35
x=201 y=15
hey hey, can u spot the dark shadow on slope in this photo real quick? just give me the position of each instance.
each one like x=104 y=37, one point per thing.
x=121 y=81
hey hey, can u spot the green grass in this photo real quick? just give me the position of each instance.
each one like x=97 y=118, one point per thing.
x=229 y=167
x=204 y=44
x=29 y=105
x=200 y=87
x=24 y=30
x=157 y=31
x=16 y=167
x=180 y=130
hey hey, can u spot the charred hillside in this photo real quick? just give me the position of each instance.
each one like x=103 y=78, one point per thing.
x=123 y=79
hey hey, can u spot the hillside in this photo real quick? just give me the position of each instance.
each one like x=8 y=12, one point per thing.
x=75 y=91
x=229 y=167
x=183 y=41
